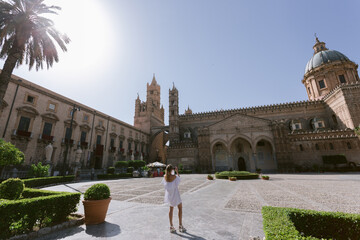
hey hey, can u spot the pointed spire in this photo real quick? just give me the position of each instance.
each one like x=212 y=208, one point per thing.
x=138 y=96
x=153 y=82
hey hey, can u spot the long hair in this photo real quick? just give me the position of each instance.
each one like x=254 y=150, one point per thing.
x=168 y=170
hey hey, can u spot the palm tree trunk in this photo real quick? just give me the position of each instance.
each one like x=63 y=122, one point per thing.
x=7 y=70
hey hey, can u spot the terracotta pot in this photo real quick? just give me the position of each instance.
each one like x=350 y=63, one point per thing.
x=95 y=210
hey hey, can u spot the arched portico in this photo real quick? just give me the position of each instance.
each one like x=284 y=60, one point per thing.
x=241 y=154
x=265 y=154
x=220 y=156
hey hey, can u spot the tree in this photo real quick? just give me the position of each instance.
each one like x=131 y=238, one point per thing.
x=26 y=35
x=9 y=155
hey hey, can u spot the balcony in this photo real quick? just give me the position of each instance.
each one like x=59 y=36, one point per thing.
x=67 y=141
x=19 y=134
x=46 y=138
x=112 y=149
x=84 y=145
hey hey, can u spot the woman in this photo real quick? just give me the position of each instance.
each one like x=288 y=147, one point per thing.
x=172 y=195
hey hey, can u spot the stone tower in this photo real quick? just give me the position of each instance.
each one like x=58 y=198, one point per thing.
x=174 y=135
x=326 y=70
x=149 y=114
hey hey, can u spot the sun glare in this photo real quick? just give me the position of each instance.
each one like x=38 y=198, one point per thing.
x=90 y=29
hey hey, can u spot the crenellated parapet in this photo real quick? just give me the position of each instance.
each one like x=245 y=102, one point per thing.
x=321 y=135
x=274 y=108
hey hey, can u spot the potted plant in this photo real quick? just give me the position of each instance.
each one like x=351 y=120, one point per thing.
x=265 y=177
x=232 y=178
x=96 y=202
x=258 y=170
x=210 y=177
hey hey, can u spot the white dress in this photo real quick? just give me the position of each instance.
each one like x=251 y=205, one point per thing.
x=172 y=195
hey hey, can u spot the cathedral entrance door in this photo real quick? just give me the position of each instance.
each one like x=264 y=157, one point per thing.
x=241 y=164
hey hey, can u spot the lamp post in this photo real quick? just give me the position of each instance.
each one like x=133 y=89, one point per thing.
x=67 y=140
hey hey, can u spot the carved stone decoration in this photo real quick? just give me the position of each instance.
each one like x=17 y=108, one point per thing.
x=78 y=155
x=48 y=152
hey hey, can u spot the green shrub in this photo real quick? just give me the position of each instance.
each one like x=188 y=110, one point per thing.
x=114 y=176
x=11 y=189
x=39 y=170
x=181 y=167
x=9 y=155
x=265 y=177
x=111 y=170
x=97 y=191
x=139 y=164
x=291 y=223
x=131 y=163
x=130 y=169
x=145 y=168
x=19 y=216
x=237 y=174
x=37 y=182
x=210 y=177
x=121 y=164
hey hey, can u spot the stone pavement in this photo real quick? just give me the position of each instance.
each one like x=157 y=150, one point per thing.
x=217 y=209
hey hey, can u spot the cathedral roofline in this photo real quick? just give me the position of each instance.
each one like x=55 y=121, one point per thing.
x=339 y=87
x=257 y=108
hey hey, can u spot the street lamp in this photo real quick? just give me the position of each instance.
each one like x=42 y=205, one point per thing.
x=67 y=140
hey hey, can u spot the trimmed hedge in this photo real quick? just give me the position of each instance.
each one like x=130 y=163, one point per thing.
x=11 y=189
x=37 y=182
x=238 y=174
x=114 y=176
x=292 y=223
x=44 y=208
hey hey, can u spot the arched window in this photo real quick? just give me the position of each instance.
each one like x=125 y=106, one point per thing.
x=348 y=145
x=301 y=147
x=317 y=146
x=331 y=146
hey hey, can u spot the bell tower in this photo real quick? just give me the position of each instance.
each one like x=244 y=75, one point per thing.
x=174 y=134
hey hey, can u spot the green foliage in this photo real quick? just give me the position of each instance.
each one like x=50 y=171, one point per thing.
x=357 y=130
x=145 y=168
x=334 y=159
x=121 y=164
x=131 y=163
x=185 y=171
x=210 y=177
x=130 y=169
x=237 y=174
x=265 y=177
x=11 y=189
x=114 y=176
x=181 y=167
x=37 y=208
x=139 y=164
x=9 y=154
x=39 y=170
x=232 y=178
x=291 y=223
x=111 y=170
x=97 y=191
x=37 y=182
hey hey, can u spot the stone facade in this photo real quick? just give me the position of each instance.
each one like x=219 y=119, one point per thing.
x=31 y=117
x=275 y=137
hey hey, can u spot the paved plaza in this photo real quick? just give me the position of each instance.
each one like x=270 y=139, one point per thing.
x=217 y=209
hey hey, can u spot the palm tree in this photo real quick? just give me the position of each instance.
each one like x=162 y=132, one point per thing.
x=25 y=35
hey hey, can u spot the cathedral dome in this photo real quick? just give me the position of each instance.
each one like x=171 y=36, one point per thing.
x=323 y=57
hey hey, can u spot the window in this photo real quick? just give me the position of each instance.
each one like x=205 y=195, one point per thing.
x=172 y=112
x=130 y=133
x=172 y=103
x=317 y=146
x=52 y=106
x=320 y=124
x=342 y=79
x=68 y=133
x=24 y=124
x=137 y=135
x=187 y=134
x=86 y=118
x=47 y=129
x=151 y=92
x=322 y=84
x=136 y=145
x=100 y=123
x=122 y=131
x=309 y=91
x=331 y=146
x=98 y=140
x=348 y=145
x=121 y=144
x=30 y=99
x=129 y=145
x=301 y=147
x=113 y=128
x=112 y=142
x=83 y=136
x=261 y=143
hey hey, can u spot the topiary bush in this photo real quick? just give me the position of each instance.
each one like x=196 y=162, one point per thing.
x=38 y=182
x=139 y=163
x=237 y=174
x=111 y=170
x=292 y=223
x=121 y=164
x=130 y=169
x=97 y=191
x=11 y=189
x=131 y=163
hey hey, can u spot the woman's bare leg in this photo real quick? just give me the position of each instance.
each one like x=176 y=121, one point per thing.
x=180 y=214
x=171 y=215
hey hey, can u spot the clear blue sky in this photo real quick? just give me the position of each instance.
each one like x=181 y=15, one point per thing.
x=221 y=54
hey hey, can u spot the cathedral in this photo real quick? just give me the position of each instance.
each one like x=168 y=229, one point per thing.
x=273 y=138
